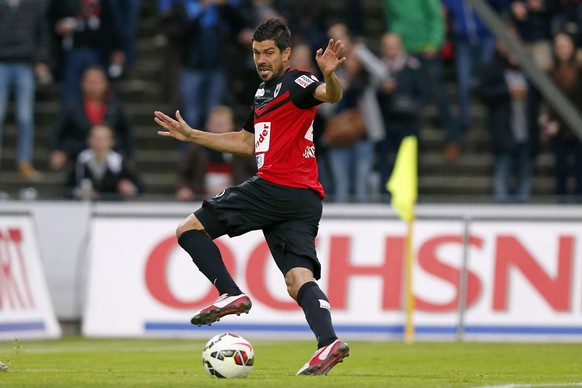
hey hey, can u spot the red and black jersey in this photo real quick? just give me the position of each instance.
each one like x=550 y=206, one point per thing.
x=282 y=121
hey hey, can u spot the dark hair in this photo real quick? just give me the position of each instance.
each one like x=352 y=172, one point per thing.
x=273 y=29
x=96 y=67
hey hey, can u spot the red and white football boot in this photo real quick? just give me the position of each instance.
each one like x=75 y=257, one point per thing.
x=224 y=305
x=325 y=358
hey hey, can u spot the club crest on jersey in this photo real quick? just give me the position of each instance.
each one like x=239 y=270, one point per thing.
x=260 y=158
x=304 y=81
x=262 y=136
x=260 y=92
x=277 y=90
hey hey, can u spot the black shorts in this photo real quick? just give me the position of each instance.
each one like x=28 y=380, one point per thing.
x=289 y=218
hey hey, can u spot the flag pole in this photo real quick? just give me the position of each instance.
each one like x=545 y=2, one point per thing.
x=403 y=187
x=409 y=263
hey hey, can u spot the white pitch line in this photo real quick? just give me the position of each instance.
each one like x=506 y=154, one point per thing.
x=103 y=348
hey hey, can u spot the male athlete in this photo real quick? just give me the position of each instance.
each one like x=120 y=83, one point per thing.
x=283 y=200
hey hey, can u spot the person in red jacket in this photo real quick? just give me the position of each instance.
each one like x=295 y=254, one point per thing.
x=98 y=104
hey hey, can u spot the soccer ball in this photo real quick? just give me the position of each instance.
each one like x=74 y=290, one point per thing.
x=228 y=355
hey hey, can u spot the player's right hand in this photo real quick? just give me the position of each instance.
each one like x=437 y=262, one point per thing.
x=178 y=129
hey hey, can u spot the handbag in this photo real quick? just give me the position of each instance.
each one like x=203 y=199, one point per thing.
x=345 y=128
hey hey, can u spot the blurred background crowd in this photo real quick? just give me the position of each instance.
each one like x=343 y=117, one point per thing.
x=80 y=79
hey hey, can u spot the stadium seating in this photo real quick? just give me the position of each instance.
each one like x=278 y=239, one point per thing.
x=468 y=179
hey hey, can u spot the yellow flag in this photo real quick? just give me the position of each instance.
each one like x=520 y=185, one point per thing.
x=403 y=183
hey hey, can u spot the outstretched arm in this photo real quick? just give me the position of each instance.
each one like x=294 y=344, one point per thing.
x=328 y=62
x=237 y=143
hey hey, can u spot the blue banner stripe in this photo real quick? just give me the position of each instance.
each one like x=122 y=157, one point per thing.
x=565 y=330
x=152 y=326
x=22 y=326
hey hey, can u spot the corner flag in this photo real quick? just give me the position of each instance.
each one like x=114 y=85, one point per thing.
x=403 y=183
x=403 y=186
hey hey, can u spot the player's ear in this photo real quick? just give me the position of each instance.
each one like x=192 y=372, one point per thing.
x=286 y=54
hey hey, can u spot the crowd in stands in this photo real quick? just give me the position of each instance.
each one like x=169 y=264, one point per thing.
x=389 y=83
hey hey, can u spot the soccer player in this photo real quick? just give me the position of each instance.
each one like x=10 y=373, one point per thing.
x=284 y=199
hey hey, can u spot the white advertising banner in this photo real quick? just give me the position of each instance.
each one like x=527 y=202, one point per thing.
x=25 y=307
x=523 y=280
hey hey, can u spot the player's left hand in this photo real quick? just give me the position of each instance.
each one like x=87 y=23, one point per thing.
x=178 y=129
x=329 y=60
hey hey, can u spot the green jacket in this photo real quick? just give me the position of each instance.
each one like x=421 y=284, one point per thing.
x=420 y=23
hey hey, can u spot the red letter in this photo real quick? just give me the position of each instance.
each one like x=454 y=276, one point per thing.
x=428 y=260
x=16 y=237
x=8 y=284
x=510 y=253
x=157 y=280
x=340 y=270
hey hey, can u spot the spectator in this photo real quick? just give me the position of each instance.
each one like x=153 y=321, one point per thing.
x=569 y=20
x=242 y=72
x=401 y=99
x=473 y=45
x=99 y=172
x=126 y=14
x=307 y=21
x=421 y=26
x=86 y=35
x=351 y=153
x=98 y=104
x=24 y=52
x=204 y=173
x=566 y=145
x=171 y=40
x=205 y=27
x=265 y=9
x=503 y=88
x=533 y=21
x=354 y=17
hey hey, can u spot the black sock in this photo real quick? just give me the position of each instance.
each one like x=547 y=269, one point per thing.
x=206 y=255
x=317 y=312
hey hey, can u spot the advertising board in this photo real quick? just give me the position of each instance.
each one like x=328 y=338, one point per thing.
x=26 y=310
x=523 y=280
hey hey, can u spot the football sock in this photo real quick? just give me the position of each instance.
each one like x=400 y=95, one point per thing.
x=232 y=291
x=317 y=312
x=206 y=255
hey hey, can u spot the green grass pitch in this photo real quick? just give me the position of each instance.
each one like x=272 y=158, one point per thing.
x=81 y=362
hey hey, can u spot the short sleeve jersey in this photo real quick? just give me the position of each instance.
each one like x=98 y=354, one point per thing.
x=282 y=122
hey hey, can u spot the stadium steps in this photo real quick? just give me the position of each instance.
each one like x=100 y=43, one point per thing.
x=468 y=179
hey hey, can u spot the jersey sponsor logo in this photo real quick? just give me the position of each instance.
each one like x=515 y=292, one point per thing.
x=309 y=152
x=314 y=78
x=262 y=136
x=260 y=93
x=277 y=90
x=304 y=81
